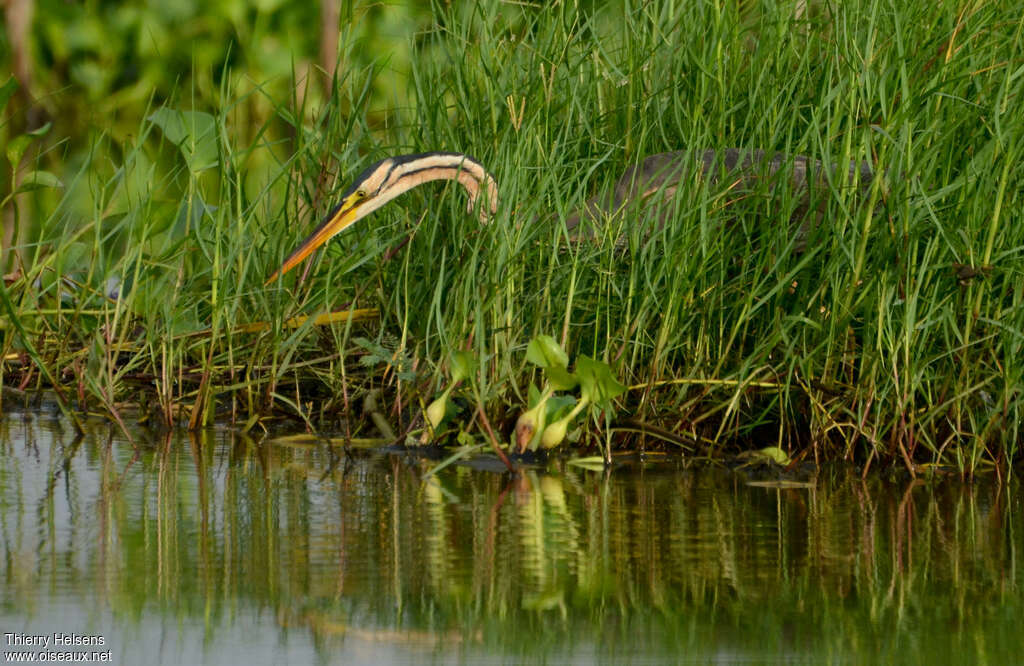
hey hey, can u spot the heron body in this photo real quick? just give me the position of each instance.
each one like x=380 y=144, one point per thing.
x=649 y=187
x=645 y=188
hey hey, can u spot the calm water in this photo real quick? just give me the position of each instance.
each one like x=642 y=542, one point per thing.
x=222 y=549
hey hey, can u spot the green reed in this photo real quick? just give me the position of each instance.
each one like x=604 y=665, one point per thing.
x=893 y=336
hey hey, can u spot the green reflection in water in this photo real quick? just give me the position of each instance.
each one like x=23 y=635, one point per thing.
x=221 y=546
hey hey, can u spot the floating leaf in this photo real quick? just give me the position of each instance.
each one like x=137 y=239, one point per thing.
x=592 y=463
x=781 y=484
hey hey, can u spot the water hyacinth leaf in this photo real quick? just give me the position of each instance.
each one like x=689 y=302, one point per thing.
x=560 y=378
x=531 y=422
x=558 y=406
x=193 y=132
x=35 y=180
x=554 y=433
x=436 y=410
x=776 y=455
x=463 y=365
x=597 y=381
x=545 y=352
x=532 y=396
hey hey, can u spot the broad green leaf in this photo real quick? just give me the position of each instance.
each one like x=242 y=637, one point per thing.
x=532 y=396
x=558 y=406
x=545 y=351
x=463 y=365
x=193 y=132
x=560 y=378
x=436 y=410
x=35 y=180
x=8 y=89
x=597 y=381
x=16 y=148
x=776 y=455
x=554 y=433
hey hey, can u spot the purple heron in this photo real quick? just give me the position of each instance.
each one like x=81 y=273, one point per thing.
x=659 y=175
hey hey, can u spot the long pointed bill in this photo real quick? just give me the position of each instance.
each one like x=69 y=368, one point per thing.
x=338 y=220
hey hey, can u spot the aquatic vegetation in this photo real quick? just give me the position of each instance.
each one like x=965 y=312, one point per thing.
x=462 y=366
x=891 y=332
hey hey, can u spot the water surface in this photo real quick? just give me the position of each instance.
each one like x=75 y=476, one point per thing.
x=218 y=548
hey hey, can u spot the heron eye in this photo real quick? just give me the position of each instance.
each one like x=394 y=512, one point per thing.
x=361 y=194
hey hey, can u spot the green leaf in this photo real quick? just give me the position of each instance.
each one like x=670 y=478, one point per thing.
x=597 y=381
x=40 y=131
x=375 y=353
x=592 y=463
x=16 y=148
x=194 y=132
x=558 y=406
x=463 y=365
x=560 y=378
x=8 y=89
x=532 y=396
x=554 y=433
x=35 y=180
x=436 y=410
x=776 y=455
x=544 y=351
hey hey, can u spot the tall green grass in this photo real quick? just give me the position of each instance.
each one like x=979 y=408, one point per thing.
x=895 y=336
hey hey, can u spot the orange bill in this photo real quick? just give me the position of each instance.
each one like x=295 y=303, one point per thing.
x=336 y=221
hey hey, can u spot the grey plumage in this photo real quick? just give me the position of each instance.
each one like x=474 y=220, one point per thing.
x=644 y=193
x=646 y=190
